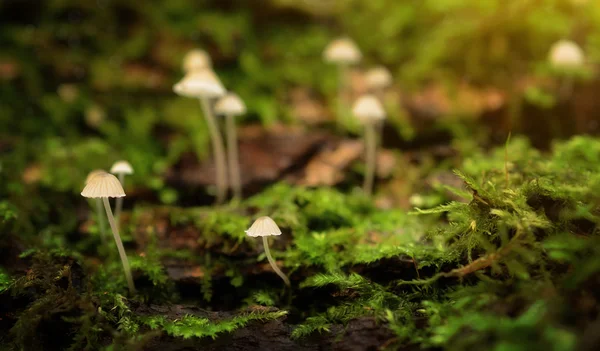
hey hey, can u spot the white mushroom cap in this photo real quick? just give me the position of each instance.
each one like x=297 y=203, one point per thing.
x=378 y=78
x=196 y=60
x=121 y=167
x=342 y=50
x=368 y=109
x=103 y=185
x=197 y=84
x=566 y=54
x=230 y=104
x=92 y=174
x=263 y=226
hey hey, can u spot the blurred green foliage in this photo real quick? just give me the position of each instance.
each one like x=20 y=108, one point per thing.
x=85 y=84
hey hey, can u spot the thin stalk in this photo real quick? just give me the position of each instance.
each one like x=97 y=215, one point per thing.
x=341 y=101
x=119 y=202
x=370 y=157
x=122 y=253
x=218 y=150
x=101 y=223
x=380 y=95
x=273 y=264
x=233 y=157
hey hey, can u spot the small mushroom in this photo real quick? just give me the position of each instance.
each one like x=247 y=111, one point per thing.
x=231 y=106
x=343 y=52
x=566 y=57
x=369 y=112
x=102 y=186
x=196 y=60
x=120 y=168
x=378 y=79
x=265 y=227
x=99 y=217
x=205 y=85
x=565 y=54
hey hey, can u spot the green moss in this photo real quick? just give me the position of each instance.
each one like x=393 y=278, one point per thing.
x=198 y=327
x=5 y=281
x=527 y=332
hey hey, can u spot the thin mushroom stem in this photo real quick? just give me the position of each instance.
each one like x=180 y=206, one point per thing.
x=273 y=264
x=380 y=95
x=218 y=150
x=341 y=101
x=119 y=202
x=370 y=156
x=233 y=158
x=101 y=223
x=122 y=253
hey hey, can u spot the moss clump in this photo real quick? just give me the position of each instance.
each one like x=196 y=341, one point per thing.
x=199 y=327
x=512 y=257
x=499 y=266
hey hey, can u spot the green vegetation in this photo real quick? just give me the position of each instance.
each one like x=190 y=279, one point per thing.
x=504 y=263
x=474 y=239
x=190 y=326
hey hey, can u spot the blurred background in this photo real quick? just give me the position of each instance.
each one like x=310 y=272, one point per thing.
x=85 y=83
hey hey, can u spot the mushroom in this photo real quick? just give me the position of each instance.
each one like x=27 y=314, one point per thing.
x=231 y=106
x=343 y=52
x=378 y=79
x=265 y=227
x=566 y=57
x=369 y=112
x=196 y=60
x=565 y=54
x=205 y=85
x=102 y=186
x=120 y=168
x=100 y=218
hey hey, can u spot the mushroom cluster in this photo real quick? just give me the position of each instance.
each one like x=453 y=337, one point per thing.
x=368 y=109
x=201 y=82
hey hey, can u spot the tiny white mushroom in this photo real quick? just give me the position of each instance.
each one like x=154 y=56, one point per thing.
x=231 y=106
x=378 y=79
x=343 y=52
x=369 y=112
x=265 y=227
x=120 y=168
x=200 y=84
x=100 y=218
x=102 y=186
x=566 y=57
x=566 y=54
x=205 y=85
x=196 y=60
